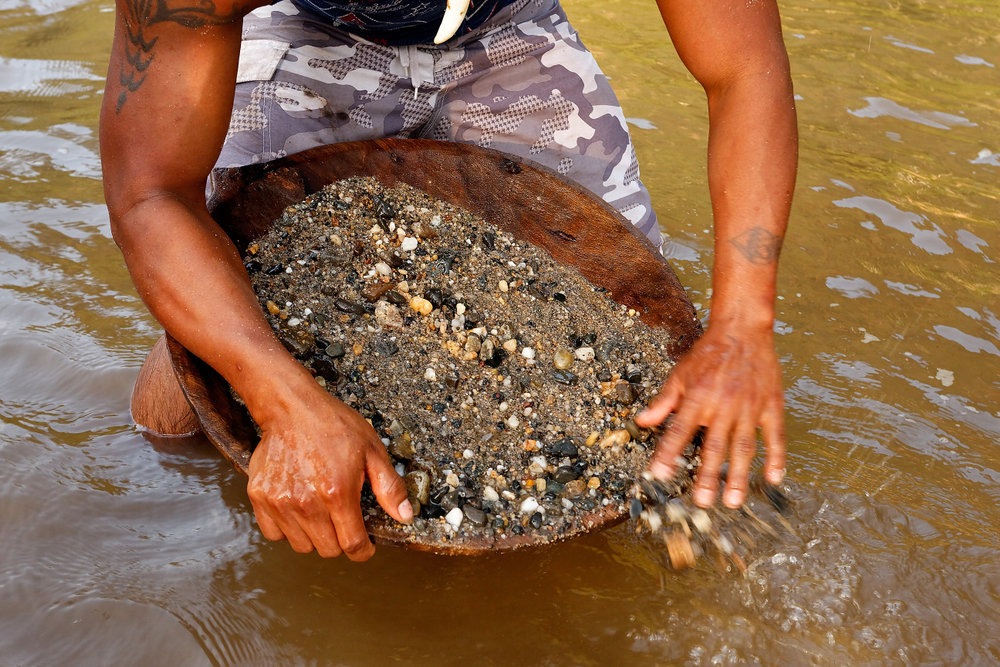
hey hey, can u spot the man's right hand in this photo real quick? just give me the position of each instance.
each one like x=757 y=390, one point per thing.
x=165 y=114
x=306 y=477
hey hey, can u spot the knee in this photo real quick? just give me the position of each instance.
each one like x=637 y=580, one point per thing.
x=158 y=404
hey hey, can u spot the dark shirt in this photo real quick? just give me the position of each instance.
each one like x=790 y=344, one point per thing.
x=397 y=22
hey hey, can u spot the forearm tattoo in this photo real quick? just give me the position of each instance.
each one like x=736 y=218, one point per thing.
x=140 y=15
x=758 y=245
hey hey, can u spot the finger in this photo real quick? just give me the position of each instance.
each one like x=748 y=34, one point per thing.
x=267 y=525
x=773 y=427
x=660 y=407
x=284 y=516
x=713 y=453
x=315 y=522
x=679 y=432
x=389 y=489
x=741 y=454
x=345 y=510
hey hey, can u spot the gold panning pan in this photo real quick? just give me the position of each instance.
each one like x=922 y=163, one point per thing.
x=532 y=203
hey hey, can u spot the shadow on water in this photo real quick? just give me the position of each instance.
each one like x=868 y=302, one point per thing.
x=113 y=551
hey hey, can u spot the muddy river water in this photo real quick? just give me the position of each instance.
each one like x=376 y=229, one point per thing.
x=113 y=551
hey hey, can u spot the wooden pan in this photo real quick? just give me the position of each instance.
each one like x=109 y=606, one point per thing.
x=531 y=202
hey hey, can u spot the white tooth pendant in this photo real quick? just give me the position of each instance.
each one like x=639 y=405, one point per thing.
x=454 y=14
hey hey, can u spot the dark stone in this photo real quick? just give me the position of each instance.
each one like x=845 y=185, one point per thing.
x=395 y=260
x=396 y=299
x=440 y=266
x=559 y=296
x=536 y=520
x=451 y=500
x=435 y=296
x=474 y=514
x=253 y=266
x=438 y=408
x=451 y=380
x=356 y=389
x=384 y=210
x=625 y=393
x=517 y=530
x=515 y=485
x=498 y=357
x=323 y=365
x=274 y=270
x=565 y=377
x=604 y=375
x=562 y=447
x=633 y=373
x=345 y=306
x=489 y=240
x=566 y=474
x=604 y=351
x=384 y=347
x=335 y=350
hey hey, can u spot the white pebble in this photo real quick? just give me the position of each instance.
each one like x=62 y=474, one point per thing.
x=513 y=422
x=430 y=375
x=508 y=494
x=503 y=286
x=382 y=269
x=701 y=520
x=294 y=321
x=454 y=518
x=528 y=353
x=452 y=479
x=459 y=308
x=584 y=353
x=567 y=503
x=490 y=494
x=529 y=505
x=468 y=454
x=409 y=243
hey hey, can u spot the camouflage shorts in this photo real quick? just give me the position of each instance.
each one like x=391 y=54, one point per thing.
x=522 y=83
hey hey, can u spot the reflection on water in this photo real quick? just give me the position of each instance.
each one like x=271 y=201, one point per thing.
x=115 y=550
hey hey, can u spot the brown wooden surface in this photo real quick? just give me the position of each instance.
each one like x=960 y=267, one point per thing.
x=527 y=200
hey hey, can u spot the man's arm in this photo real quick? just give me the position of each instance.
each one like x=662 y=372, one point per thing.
x=165 y=114
x=730 y=381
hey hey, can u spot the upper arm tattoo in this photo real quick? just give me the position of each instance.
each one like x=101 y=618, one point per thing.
x=140 y=15
x=758 y=245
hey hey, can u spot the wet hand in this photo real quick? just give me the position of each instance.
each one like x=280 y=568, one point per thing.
x=306 y=477
x=729 y=384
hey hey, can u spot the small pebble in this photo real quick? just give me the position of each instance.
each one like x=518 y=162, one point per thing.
x=529 y=505
x=409 y=243
x=563 y=359
x=584 y=354
x=421 y=305
x=454 y=518
x=528 y=353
